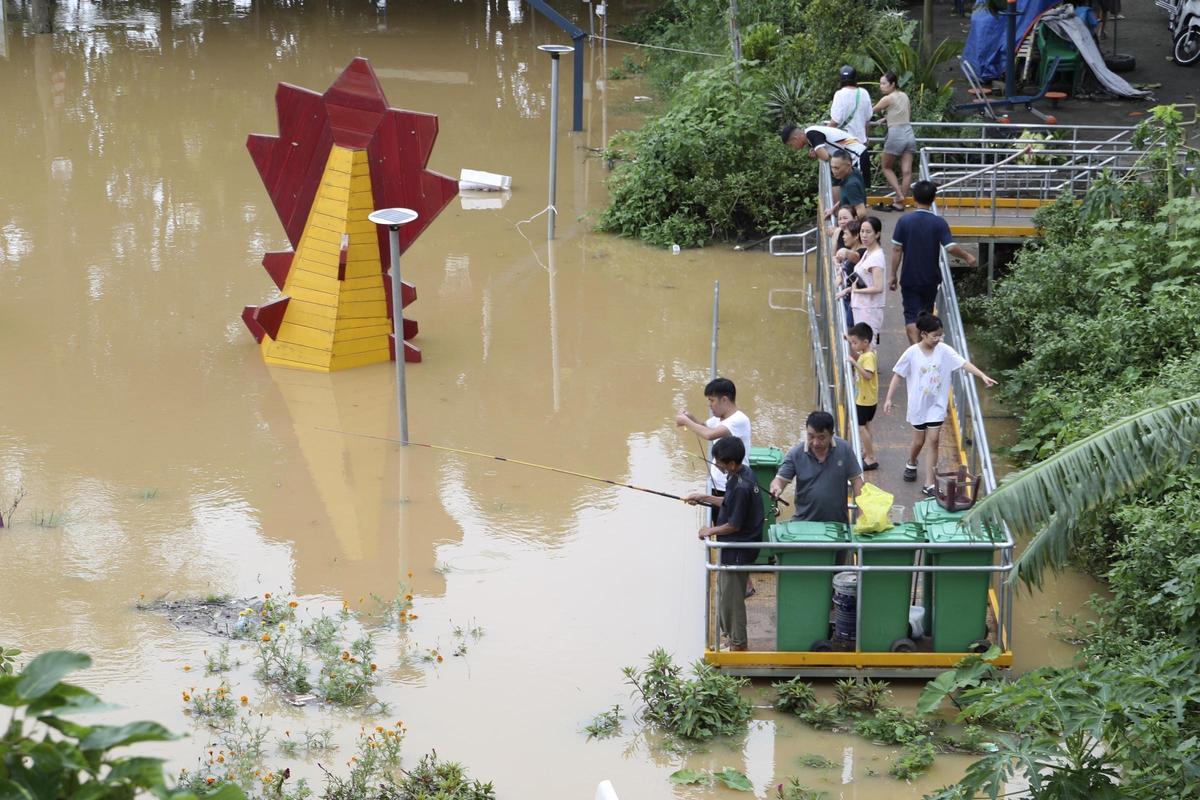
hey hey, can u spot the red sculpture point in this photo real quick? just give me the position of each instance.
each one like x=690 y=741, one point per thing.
x=349 y=150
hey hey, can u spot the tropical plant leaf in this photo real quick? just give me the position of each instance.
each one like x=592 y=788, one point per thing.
x=43 y=673
x=684 y=777
x=734 y=779
x=1046 y=500
x=105 y=737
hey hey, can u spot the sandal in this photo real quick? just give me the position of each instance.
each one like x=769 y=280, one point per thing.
x=897 y=207
x=929 y=490
x=868 y=467
x=883 y=207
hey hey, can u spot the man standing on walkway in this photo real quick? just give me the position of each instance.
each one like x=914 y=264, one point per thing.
x=822 y=465
x=917 y=243
x=726 y=420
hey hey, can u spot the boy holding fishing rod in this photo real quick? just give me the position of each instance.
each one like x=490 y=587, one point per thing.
x=739 y=519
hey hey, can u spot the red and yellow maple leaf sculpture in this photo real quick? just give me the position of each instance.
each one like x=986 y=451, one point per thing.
x=338 y=157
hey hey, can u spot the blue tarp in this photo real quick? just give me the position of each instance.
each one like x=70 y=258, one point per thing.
x=988 y=39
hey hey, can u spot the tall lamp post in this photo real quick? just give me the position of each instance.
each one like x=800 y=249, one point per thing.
x=393 y=218
x=555 y=50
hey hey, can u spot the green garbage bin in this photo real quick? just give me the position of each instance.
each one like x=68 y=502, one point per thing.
x=927 y=513
x=886 y=595
x=764 y=462
x=959 y=600
x=803 y=599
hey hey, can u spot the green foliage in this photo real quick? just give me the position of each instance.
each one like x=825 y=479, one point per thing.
x=792 y=789
x=760 y=42
x=794 y=695
x=823 y=716
x=433 y=779
x=712 y=167
x=8 y=660
x=605 y=724
x=45 y=756
x=816 y=761
x=895 y=726
x=916 y=759
x=967 y=673
x=710 y=704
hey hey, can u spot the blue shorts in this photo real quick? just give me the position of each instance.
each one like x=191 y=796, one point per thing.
x=917 y=299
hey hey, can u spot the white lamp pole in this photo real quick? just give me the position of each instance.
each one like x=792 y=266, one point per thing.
x=555 y=50
x=393 y=218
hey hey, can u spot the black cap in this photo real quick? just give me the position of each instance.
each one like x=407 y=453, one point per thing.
x=848 y=75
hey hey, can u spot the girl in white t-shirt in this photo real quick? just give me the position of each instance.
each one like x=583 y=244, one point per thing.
x=926 y=367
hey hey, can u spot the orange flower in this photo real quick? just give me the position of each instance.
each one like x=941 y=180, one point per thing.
x=187 y=698
x=292 y=604
x=266 y=637
x=439 y=659
x=187 y=667
x=266 y=596
x=410 y=573
x=374 y=667
x=408 y=597
x=210 y=780
x=220 y=759
x=345 y=655
x=245 y=699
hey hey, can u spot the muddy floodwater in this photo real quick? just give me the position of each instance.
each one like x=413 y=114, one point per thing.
x=161 y=459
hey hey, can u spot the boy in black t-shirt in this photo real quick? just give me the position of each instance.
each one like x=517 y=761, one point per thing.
x=740 y=519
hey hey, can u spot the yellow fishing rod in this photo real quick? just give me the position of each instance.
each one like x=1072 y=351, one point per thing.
x=477 y=454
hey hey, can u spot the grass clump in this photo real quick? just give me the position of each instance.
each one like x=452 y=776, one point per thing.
x=606 y=724
x=707 y=705
x=796 y=696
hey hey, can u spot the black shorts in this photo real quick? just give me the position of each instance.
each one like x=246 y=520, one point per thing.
x=865 y=413
x=917 y=299
x=715 y=510
x=926 y=425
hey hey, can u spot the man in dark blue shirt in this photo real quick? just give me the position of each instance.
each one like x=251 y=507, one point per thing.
x=917 y=243
x=740 y=519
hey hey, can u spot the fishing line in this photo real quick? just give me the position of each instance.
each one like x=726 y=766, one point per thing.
x=477 y=454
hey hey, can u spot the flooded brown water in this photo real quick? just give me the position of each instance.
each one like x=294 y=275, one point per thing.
x=160 y=457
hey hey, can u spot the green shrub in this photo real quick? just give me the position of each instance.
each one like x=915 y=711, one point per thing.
x=708 y=705
x=794 y=695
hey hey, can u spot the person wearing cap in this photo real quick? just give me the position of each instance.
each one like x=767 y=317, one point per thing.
x=822 y=141
x=851 y=106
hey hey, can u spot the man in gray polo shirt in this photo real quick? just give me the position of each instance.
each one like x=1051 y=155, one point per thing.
x=822 y=465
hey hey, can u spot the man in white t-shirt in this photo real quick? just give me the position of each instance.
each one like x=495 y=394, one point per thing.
x=726 y=420
x=851 y=106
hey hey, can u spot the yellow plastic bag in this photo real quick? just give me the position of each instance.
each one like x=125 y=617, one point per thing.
x=874 y=504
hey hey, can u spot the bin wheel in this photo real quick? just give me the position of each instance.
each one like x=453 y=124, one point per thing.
x=822 y=646
x=904 y=646
x=979 y=646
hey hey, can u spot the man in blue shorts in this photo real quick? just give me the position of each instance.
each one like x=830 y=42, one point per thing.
x=917 y=243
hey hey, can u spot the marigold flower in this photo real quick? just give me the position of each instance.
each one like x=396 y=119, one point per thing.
x=220 y=759
x=374 y=667
x=439 y=658
x=266 y=637
x=408 y=597
x=245 y=699
x=187 y=667
x=266 y=595
x=292 y=604
x=187 y=697
x=345 y=655
x=282 y=627
x=210 y=780
x=379 y=729
x=410 y=573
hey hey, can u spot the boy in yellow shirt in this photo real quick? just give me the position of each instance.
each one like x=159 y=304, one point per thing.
x=867 y=373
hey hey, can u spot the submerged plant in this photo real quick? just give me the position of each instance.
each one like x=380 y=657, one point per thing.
x=823 y=716
x=917 y=759
x=795 y=695
x=605 y=724
x=709 y=704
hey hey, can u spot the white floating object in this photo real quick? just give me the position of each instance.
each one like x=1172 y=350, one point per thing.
x=640 y=98
x=483 y=201
x=474 y=180
x=605 y=791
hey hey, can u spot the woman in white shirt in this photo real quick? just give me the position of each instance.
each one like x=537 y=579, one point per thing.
x=867 y=298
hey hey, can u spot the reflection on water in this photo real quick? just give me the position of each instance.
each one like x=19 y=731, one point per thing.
x=166 y=459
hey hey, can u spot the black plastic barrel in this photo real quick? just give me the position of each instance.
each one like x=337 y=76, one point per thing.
x=845 y=605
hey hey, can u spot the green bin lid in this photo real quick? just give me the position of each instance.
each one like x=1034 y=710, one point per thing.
x=904 y=532
x=801 y=531
x=765 y=456
x=928 y=511
x=953 y=532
